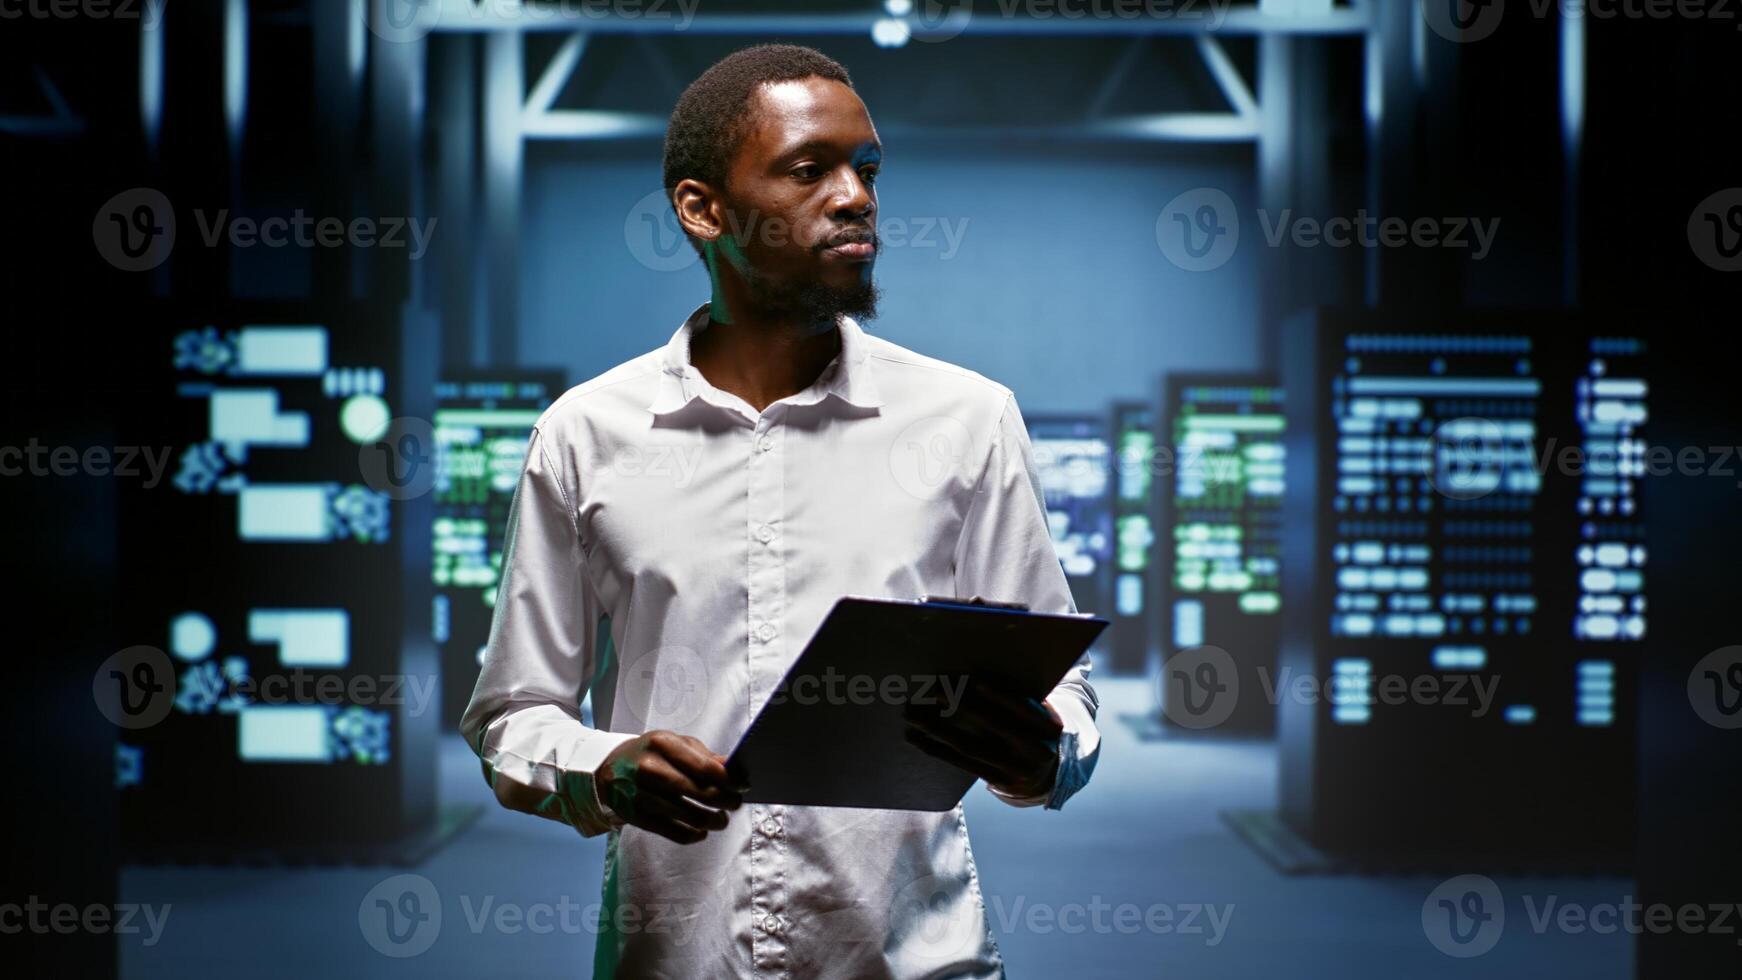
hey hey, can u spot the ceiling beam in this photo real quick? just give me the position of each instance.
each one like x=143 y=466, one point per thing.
x=673 y=17
x=62 y=121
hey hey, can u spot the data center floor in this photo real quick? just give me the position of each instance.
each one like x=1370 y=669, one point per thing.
x=1145 y=837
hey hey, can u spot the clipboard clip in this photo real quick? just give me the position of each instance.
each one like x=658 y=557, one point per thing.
x=950 y=600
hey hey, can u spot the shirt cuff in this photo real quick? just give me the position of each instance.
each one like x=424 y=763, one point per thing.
x=1070 y=776
x=591 y=815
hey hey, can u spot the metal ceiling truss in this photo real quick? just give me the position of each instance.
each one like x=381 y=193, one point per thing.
x=61 y=122
x=673 y=16
x=540 y=119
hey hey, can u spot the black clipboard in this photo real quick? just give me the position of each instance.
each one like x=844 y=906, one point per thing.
x=813 y=745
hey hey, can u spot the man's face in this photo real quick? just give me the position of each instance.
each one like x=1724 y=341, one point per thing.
x=802 y=201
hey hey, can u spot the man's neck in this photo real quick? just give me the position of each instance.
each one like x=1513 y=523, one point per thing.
x=762 y=361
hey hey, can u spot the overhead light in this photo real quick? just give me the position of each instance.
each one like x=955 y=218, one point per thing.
x=898 y=8
x=889 y=32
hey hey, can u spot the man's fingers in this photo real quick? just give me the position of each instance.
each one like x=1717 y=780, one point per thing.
x=672 y=830
x=1022 y=704
x=991 y=770
x=1016 y=753
x=704 y=771
x=993 y=707
x=659 y=783
x=993 y=738
x=680 y=810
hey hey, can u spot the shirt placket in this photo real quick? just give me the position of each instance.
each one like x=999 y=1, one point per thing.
x=764 y=517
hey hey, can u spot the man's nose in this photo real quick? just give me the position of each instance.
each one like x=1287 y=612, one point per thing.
x=852 y=197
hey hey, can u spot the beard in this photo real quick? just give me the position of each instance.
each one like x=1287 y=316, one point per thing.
x=814 y=303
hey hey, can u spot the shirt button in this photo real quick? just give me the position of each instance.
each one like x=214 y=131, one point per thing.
x=771 y=828
x=764 y=444
x=765 y=632
x=764 y=533
x=771 y=925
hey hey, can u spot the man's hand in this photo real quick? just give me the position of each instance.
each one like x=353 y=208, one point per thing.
x=659 y=782
x=1011 y=742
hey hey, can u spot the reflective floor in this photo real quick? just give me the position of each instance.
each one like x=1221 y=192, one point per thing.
x=1137 y=877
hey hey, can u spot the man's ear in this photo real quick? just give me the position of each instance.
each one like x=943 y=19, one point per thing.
x=698 y=210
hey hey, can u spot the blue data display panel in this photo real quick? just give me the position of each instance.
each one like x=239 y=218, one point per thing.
x=1443 y=465
x=1479 y=581
x=1134 y=538
x=1073 y=456
x=482 y=426
x=266 y=578
x=1222 y=519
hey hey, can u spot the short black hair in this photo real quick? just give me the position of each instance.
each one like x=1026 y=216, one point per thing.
x=711 y=115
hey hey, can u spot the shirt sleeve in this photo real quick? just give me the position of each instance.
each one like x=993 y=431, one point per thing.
x=1006 y=554
x=524 y=718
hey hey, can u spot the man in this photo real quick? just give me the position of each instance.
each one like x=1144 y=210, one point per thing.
x=685 y=521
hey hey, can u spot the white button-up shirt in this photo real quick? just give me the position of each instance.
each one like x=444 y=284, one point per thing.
x=671 y=549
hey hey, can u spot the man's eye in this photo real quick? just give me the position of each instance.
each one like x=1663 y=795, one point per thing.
x=809 y=171
x=868 y=175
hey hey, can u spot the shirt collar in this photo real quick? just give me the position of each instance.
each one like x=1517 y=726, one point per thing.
x=848 y=377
